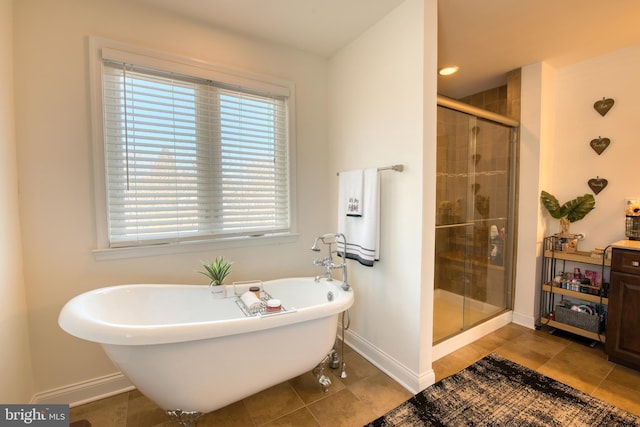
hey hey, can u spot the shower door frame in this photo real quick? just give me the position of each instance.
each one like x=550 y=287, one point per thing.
x=510 y=244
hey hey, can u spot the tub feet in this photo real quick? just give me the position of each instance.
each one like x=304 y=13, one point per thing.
x=184 y=418
x=318 y=371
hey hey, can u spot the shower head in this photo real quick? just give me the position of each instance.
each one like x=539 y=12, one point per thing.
x=315 y=247
x=328 y=239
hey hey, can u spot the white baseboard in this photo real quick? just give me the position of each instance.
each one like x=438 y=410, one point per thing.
x=86 y=391
x=524 y=320
x=458 y=341
x=404 y=376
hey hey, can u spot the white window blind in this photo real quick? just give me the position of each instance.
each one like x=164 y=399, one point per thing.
x=188 y=158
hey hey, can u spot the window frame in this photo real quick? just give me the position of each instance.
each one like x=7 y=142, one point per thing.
x=187 y=66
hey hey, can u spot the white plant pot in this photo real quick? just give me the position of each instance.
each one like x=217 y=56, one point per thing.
x=218 y=291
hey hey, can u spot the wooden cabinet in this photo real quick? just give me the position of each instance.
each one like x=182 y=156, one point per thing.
x=623 y=330
x=554 y=292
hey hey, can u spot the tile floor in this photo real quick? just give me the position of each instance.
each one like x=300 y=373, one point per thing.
x=368 y=393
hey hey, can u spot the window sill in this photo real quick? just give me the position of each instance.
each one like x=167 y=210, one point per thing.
x=195 y=246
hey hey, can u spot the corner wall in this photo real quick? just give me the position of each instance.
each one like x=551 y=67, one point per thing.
x=17 y=382
x=536 y=128
x=378 y=89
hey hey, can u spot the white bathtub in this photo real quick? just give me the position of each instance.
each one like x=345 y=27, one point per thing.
x=185 y=349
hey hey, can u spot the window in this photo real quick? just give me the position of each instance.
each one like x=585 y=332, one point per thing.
x=191 y=153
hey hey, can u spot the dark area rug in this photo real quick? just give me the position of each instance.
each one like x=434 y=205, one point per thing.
x=498 y=392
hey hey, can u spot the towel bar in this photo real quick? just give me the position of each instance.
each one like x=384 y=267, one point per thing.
x=397 y=168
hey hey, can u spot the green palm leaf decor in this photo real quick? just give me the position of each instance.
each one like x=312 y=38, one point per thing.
x=571 y=211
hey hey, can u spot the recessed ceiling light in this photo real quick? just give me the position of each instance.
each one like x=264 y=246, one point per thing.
x=447 y=71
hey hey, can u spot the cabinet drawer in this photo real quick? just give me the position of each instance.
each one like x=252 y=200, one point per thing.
x=626 y=261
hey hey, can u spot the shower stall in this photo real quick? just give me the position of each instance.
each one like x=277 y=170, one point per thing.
x=475 y=211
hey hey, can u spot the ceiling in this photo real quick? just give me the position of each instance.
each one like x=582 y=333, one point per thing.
x=488 y=38
x=485 y=39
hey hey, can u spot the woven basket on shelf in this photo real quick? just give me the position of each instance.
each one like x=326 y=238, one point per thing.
x=589 y=322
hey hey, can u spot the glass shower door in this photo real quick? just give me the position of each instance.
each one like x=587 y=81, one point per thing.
x=474 y=204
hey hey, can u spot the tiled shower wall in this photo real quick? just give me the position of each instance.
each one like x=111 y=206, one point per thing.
x=503 y=100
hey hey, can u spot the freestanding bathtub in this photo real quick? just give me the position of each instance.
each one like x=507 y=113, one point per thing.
x=188 y=351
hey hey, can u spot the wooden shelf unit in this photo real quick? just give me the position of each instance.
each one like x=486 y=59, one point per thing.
x=573 y=329
x=577 y=256
x=596 y=299
x=550 y=290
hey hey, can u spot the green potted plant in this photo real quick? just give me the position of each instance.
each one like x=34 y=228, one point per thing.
x=571 y=211
x=216 y=271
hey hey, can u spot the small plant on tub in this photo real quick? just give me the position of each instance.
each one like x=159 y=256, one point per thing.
x=216 y=271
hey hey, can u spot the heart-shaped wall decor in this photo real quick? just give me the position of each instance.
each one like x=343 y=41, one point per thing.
x=603 y=106
x=600 y=144
x=597 y=184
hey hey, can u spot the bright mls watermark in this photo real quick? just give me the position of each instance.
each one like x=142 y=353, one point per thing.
x=34 y=415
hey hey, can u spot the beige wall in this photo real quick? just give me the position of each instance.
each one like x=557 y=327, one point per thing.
x=559 y=121
x=377 y=118
x=16 y=385
x=55 y=170
x=573 y=162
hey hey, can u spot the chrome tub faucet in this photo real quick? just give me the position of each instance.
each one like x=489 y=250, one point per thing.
x=327 y=262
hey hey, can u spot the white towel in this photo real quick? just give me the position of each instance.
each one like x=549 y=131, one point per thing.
x=351 y=183
x=251 y=301
x=362 y=232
